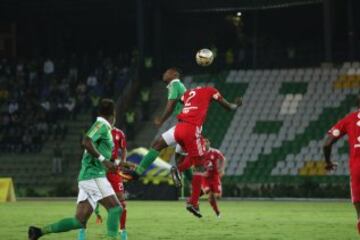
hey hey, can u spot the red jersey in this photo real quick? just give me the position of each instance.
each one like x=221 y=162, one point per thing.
x=119 y=141
x=211 y=162
x=349 y=125
x=196 y=104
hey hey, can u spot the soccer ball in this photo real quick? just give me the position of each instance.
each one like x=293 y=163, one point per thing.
x=204 y=57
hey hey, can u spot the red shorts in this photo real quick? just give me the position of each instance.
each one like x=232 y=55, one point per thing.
x=115 y=181
x=190 y=139
x=211 y=184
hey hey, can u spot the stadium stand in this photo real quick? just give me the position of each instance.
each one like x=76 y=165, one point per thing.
x=277 y=136
x=39 y=109
x=279 y=133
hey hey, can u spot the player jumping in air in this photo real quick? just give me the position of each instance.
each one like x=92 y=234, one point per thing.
x=350 y=125
x=116 y=180
x=93 y=184
x=187 y=133
x=214 y=162
x=176 y=89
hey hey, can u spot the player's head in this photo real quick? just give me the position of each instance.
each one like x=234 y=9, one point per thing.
x=207 y=143
x=171 y=74
x=106 y=109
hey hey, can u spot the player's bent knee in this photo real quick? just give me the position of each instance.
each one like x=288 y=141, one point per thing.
x=123 y=204
x=159 y=144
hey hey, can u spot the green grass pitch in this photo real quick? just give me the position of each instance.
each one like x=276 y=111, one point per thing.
x=250 y=220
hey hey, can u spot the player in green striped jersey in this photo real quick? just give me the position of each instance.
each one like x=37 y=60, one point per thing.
x=174 y=106
x=93 y=184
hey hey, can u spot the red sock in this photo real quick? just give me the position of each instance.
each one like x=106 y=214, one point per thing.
x=184 y=165
x=358 y=226
x=214 y=206
x=196 y=189
x=123 y=215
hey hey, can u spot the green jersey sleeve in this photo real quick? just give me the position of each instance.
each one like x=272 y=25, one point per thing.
x=176 y=90
x=96 y=131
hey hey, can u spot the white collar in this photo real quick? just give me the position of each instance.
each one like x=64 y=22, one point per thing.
x=172 y=81
x=103 y=120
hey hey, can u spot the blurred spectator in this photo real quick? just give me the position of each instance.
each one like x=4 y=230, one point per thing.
x=57 y=159
x=91 y=81
x=26 y=143
x=145 y=103
x=49 y=67
x=81 y=96
x=95 y=99
x=13 y=106
x=70 y=106
x=229 y=58
x=130 y=124
x=37 y=95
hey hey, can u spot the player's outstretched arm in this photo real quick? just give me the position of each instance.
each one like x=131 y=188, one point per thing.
x=329 y=142
x=170 y=106
x=222 y=165
x=230 y=106
x=90 y=148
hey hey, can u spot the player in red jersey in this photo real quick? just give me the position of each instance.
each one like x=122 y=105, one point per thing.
x=114 y=177
x=350 y=125
x=214 y=162
x=188 y=134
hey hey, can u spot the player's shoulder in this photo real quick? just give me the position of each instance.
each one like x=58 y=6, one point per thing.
x=216 y=151
x=118 y=131
x=175 y=83
x=352 y=115
x=102 y=123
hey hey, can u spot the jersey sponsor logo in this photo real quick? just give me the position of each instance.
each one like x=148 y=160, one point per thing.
x=335 y=132
x=358 y=123
x=96 y=128
x=216 y=96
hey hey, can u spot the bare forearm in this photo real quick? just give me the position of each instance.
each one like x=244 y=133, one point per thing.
x=170 y=106
x=123 y=155
x=327 y=153
x=222 y=166
x=90 y=148
x=166 y=114
x=229 y=106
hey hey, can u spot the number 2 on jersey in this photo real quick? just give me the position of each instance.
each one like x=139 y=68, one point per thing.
x=187 y=105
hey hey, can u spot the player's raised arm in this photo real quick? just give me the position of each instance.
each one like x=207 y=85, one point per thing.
x=175 y=91
x=222 y=164
x=230 y=106
x=169 y=109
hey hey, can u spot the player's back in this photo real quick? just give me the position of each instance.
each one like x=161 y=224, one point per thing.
x=211 y=159
x=196 y=104
x=349 y=125
x=119 y=140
